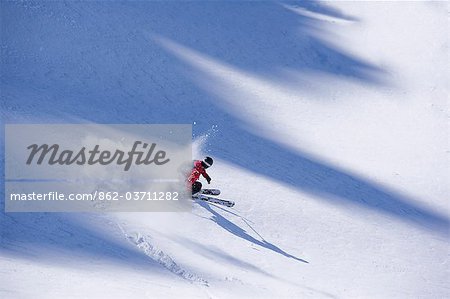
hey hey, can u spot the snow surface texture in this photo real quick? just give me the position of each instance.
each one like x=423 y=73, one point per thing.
x=329 y=124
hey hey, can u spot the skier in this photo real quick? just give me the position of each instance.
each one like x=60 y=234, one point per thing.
x=208 y=195
x=199 y=169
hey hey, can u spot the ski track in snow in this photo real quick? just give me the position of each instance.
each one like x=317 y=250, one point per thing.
x=144 y=244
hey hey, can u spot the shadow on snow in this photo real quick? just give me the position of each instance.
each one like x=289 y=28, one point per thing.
x=98 y=65
x=241 y=233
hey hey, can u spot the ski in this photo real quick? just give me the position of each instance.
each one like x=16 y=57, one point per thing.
x=227 y=203
x=210 y=191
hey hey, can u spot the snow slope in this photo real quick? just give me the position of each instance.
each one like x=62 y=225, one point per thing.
x=328 y=122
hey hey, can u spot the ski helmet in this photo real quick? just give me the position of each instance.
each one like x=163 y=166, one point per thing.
x=208 y=161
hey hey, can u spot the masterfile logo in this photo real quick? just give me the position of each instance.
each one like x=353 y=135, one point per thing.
x=83 y=156
x=93 y=167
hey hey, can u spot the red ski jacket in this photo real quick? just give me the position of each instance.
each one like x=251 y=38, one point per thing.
x=197 y=171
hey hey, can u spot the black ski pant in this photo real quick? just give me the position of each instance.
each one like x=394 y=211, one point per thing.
x=196 y=187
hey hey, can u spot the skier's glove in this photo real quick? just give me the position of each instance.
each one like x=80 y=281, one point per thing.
x=209 y=181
